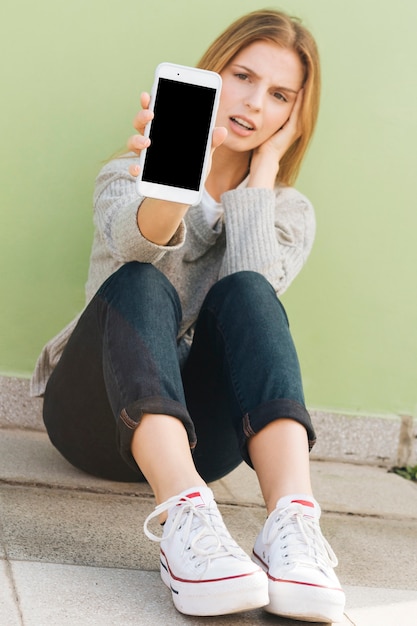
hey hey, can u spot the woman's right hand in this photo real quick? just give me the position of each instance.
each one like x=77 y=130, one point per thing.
x=138 y=142
x=158 y=220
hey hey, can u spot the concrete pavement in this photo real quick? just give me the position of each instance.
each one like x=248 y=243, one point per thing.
x=73 y=552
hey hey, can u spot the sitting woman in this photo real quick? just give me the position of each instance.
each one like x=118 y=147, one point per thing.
x=182 y=364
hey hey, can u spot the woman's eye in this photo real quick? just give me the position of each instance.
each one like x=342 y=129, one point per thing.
x=280 y=96
x=241 y=76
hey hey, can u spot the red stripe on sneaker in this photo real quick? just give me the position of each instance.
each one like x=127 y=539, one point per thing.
x=300 y=582
x=304 y=503
x=196 y=498
x=291 y=582
x=211 y=580
x=206 y=580
x=195 y=494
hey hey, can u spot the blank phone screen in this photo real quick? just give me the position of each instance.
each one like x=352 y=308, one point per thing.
x=179 y=134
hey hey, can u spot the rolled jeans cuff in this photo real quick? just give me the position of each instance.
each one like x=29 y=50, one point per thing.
x=131 y=416
x=261 y=416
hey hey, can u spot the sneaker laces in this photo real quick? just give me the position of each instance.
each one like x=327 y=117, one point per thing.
x=302 y=541
x=202 y=527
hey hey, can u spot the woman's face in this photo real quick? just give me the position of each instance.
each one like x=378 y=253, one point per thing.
x=259 y=89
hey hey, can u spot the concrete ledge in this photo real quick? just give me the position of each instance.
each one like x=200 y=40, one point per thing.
x=17 y=408
x=389 y=440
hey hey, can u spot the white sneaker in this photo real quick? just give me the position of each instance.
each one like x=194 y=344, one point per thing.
x=207 y=572
x=299 y=563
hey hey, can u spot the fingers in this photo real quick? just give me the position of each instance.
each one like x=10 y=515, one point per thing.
x=219 y=135
x=137 y=143
x=144 y=116
x=291 y=130
x=145 y=99
x=294 y=118
x=134 y=170
x=298 y=101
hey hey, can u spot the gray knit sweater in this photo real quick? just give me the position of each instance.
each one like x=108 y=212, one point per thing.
x=270 y=232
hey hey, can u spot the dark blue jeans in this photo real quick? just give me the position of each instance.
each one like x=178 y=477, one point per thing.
x=122 y=361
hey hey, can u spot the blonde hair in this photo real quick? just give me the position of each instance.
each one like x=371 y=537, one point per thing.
x=287 y=32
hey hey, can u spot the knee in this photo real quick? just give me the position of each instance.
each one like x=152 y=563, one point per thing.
x=138 y=281
x=244 y=285
x=133 y=276
x=247 y=295
x=134 y=273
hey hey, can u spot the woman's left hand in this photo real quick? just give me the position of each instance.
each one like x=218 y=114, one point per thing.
x=288 y=133
x=266 y=158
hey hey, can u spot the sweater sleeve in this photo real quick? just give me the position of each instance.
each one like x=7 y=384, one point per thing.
x=270 y=232
x=116 y=204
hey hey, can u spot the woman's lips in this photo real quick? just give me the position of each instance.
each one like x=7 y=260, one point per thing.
x=243 y=122
x=242 y=126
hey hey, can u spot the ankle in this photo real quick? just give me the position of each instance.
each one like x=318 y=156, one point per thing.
x=164 y=492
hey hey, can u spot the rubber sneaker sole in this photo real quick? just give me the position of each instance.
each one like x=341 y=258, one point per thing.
x=219 y=596
x=305 y=602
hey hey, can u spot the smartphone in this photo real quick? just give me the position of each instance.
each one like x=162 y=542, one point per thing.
x=185 y=102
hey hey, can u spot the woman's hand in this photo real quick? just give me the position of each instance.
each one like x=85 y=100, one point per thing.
x=289 y=132
x=266 y=158
x=158 y=220
x=137 y=143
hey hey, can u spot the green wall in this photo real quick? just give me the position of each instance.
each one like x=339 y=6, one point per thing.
x=71 y=75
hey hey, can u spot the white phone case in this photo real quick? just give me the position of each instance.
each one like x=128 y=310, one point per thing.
x=185 y=101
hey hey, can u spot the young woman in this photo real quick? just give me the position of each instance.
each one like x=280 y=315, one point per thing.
x=182 y=363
